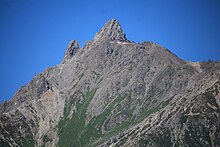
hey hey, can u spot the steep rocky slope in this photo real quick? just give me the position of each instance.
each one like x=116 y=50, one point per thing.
x=114 y=92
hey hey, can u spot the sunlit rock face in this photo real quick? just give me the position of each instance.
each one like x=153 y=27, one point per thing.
x=115 y=92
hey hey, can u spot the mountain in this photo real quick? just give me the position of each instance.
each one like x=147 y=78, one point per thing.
x=115 y=92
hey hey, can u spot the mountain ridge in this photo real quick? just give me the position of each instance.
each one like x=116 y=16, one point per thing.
x=114 y=92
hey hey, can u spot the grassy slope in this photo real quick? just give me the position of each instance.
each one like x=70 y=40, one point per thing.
x=74 y=132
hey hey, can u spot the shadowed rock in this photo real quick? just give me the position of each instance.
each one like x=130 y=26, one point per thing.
x=71 y=49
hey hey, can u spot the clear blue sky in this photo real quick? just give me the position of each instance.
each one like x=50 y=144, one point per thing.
x=35 y=33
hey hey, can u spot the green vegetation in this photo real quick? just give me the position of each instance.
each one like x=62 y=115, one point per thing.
x=74 y=131
x=24 y=140
x=70 y=131
x=28 y=141
x=147 y=112
x=165 y=103
x=117 y=129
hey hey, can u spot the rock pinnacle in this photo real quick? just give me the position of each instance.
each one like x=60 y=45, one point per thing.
x=71 y=49
x=112 y=31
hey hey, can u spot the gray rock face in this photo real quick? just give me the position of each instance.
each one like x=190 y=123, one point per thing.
x=112 y=30
x=114 y=92
x=72 y=48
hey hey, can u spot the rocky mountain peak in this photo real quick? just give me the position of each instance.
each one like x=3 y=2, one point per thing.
x=111 y=30
x=116 y=93
x=71 y=49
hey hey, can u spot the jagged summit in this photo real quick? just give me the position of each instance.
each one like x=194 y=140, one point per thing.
x=71 y=49
x=111 y=30
x=116 y=93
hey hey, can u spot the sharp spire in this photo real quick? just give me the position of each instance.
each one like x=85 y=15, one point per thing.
x=111 y=30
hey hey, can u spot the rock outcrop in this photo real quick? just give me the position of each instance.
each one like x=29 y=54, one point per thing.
x=111 y=31
x=71 y=49
x=114 y=92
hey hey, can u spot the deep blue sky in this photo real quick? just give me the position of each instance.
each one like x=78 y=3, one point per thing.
x=35 y=33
